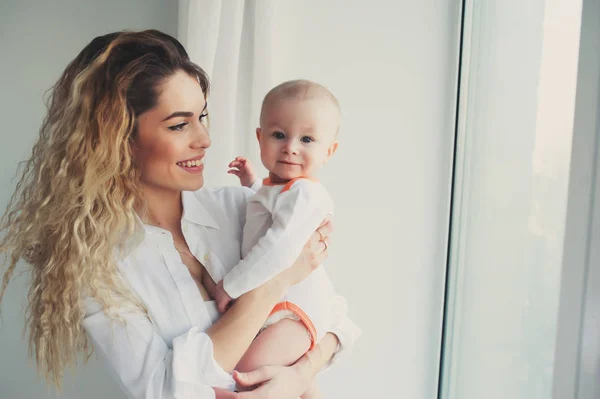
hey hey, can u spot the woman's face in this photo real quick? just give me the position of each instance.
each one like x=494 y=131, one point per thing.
x=172 y=137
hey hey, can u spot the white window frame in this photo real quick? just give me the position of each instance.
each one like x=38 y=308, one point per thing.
x=577 y=354
x=576 y=372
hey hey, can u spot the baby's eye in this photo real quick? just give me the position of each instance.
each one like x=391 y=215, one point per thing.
x=179 y=127
x=278 y=135
x=307 y=139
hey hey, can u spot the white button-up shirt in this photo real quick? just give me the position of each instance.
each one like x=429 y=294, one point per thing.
x=168 y=354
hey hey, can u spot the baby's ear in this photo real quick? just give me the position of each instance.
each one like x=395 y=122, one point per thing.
x=332 y=149
x=258 y=133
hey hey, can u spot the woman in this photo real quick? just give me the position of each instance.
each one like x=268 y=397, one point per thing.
x=124 y=248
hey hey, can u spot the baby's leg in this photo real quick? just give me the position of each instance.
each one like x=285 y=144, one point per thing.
x=279 y=344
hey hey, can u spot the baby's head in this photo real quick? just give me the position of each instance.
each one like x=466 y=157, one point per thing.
x=299 y=123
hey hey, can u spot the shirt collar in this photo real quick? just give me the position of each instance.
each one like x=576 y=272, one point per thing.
x=131 y=242
x=195 y=212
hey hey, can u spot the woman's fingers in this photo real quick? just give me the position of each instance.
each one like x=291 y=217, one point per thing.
x=326 y=220
x=318 y=250
x=224 y=394
x=321 y=234
x=254 y=377
x=319 y=242
x=325 y=229
x=324 y=254
x=325 y=244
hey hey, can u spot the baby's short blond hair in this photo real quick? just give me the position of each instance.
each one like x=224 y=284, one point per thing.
x=300 y=89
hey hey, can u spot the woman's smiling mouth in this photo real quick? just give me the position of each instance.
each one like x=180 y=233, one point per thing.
x=192 y=165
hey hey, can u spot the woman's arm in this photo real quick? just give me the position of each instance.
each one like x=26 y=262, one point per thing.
x=233 y=333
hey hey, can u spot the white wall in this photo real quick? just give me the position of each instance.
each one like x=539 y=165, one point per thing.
x=37 y=40
x=393 y=67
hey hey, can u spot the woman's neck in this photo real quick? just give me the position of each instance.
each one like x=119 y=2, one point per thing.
x=163 y=208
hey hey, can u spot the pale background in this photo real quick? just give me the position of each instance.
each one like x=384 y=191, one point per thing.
x=524 y=272
x=393 y=66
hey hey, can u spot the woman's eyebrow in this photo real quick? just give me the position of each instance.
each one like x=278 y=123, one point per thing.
x=179 y=113
x=186 y=114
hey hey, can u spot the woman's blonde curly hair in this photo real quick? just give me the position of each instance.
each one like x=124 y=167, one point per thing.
x=75 y=204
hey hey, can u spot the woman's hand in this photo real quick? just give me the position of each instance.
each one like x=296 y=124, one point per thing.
x=224 y=394
x=314 y=253
x=289 y=382
x=279 y=382
x=222 y=297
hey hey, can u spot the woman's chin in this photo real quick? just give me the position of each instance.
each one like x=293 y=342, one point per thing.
x=193 y=186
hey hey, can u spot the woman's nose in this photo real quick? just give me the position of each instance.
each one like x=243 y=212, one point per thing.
x=200 y=138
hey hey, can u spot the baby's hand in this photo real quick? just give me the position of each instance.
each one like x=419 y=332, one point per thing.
x=223 y=299
x=244 y=170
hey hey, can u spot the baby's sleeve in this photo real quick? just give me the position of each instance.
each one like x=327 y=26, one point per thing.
x=296 y=215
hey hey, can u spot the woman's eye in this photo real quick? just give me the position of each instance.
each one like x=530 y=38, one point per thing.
x=179 y=127
x=278 y=135
x=203 y=116
x=306 y=139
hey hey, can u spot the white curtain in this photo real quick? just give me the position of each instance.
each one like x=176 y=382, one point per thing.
x=232 y=41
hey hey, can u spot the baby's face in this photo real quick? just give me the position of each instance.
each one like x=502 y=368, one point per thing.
x=297 y=137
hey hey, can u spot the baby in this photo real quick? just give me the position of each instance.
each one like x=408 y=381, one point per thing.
x=299 y=122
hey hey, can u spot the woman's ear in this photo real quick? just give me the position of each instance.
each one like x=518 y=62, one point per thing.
x=258 y=133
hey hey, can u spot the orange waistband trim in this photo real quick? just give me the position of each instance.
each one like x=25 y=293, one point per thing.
x=301 y=315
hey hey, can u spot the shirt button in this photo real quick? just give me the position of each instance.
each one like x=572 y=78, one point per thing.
x=206 y=257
